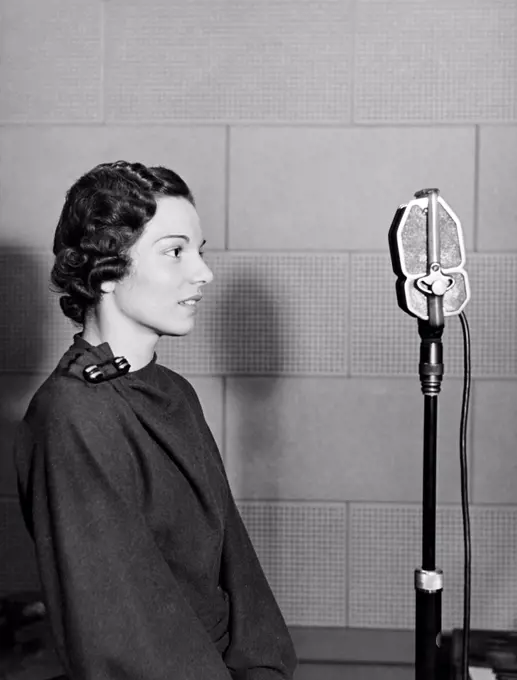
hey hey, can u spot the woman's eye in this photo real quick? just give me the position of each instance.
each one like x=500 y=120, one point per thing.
x=176 y=252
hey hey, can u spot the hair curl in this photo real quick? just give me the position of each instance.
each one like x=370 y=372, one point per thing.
x=104 y=214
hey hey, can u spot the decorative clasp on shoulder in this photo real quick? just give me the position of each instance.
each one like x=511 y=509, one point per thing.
x=114 y=368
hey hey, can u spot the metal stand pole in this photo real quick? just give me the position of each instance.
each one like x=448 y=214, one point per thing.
x=429 y=579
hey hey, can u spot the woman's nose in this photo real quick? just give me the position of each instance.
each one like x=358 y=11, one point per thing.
x=204 y=274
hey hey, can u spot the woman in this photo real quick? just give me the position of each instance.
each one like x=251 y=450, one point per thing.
x=147 y=570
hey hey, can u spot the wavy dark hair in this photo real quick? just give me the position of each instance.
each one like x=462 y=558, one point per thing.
x=104 y=214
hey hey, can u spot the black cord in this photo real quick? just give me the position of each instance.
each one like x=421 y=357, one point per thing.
x=465 y=497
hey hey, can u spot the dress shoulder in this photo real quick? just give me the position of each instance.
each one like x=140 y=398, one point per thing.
x=63 y=399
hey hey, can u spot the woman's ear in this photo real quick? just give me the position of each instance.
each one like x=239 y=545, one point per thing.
x=108 y=286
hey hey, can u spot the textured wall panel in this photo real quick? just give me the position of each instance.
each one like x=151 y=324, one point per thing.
x=44 y=162
x=333 y=440
x=317 y=188
x=385 y=341
x=446 y=61
x=494 y=469
x=211 y=396
x=302 y=549
x=33 y=331
x=210 y=60
x=384 y=550
x=268 y=313
x=18 y=570
x=497 y=172
x=15 y=394
x=493 y=315
x=50 y=61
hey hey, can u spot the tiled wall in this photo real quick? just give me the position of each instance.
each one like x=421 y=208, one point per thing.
x=301 y=126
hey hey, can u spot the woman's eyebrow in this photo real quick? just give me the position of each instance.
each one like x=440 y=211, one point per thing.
x=183 y=236
x=187 y=239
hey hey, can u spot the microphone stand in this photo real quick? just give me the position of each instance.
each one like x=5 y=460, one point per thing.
x=420 y=293
x=429 y=579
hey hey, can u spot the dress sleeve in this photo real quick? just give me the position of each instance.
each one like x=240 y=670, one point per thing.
x=261 y=647
x=115 y=607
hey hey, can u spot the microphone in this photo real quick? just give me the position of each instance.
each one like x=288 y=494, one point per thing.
x=428 y=258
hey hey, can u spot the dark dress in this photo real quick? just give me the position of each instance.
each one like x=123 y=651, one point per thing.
x=147 y=570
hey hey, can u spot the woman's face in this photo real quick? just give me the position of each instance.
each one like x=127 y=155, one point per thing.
x=163 y=288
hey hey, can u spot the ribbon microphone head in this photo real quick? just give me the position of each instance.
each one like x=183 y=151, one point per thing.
x=428 y=257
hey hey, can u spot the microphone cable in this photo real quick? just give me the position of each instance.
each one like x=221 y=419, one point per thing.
x=465 y=497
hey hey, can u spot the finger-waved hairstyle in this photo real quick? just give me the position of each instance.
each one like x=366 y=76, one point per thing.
x=104 y=214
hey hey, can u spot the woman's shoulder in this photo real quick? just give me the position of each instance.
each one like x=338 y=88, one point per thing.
x=62 y=398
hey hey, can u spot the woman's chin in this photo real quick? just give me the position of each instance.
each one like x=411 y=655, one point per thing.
x=177 y=329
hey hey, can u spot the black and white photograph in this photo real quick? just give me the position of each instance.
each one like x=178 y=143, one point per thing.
x=258 y=339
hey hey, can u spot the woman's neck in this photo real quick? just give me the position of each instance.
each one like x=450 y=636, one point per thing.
x=136 y=344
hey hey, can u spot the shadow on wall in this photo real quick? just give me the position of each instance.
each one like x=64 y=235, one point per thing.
x=25 y=646
x=251 y=333
x=251 y=340
x=21 y=306
x=23 y=303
